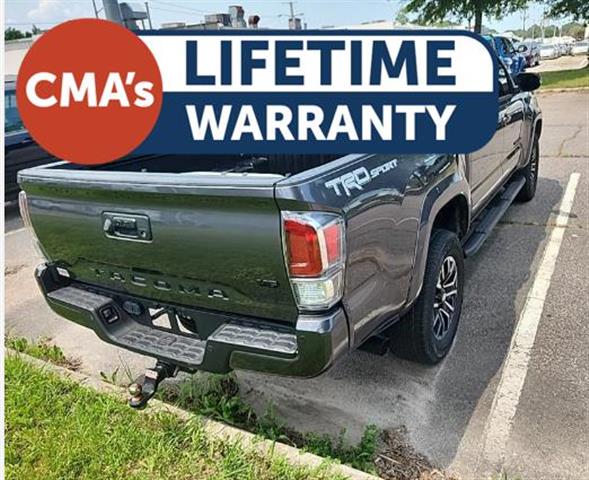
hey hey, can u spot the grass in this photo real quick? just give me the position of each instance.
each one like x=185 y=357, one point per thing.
x=566 y=78
x=217 y=397
x=42 y=349
x=57 y=429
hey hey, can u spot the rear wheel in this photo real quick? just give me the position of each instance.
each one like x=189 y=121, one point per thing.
x=530 y=174
x=426 y=333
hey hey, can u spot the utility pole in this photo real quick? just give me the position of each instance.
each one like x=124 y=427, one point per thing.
x=293 y=18
x=148 y=15
x=524 y=17
x=96 y=11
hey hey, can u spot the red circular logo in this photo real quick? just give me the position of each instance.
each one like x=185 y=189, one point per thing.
x=89 y=91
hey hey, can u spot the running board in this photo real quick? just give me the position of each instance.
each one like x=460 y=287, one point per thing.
x=492 y=215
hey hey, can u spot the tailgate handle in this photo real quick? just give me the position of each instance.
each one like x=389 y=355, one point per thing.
x=125 y=226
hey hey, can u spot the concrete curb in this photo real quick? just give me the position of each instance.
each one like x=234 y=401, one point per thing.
x=561 y=90
x=293 y=455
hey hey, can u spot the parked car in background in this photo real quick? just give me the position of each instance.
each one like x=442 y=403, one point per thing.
x=504 y=48
x=20 y=150
x=566 y=48
x=581 y=47
x=560 y=51
x=531 y=52
x=548 y=52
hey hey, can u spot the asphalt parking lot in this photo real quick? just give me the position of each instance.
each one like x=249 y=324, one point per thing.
x=513 y=393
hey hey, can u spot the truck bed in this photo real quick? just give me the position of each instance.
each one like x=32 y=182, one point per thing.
x=284 y=164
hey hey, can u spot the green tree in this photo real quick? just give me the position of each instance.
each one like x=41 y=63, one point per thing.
x=432 y=11
x=574 y=29
x=402 y=18
x=13 y=34
x=578 y=9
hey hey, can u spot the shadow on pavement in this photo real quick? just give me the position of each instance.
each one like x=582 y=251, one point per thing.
x=12 y=220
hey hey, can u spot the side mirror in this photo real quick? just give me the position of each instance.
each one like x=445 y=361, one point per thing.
x=522 y=49
x=528 y=82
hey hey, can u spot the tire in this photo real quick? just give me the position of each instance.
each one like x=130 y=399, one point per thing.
x=530 y=174
x=418 y=336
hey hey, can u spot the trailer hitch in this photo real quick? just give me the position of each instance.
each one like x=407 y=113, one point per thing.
x=145 y=386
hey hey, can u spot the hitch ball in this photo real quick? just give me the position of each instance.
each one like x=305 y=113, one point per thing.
x=134 y=389
x=145 y=386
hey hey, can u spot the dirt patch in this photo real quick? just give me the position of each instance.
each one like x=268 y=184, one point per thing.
x=397 y=460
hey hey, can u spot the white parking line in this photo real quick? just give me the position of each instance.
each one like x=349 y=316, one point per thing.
x=12 y=232
x=499 y=422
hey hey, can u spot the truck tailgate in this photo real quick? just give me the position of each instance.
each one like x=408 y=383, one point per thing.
x=203 y=240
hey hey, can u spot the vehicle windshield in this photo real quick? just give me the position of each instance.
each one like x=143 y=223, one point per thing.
x=12 y=120
x=509 y=48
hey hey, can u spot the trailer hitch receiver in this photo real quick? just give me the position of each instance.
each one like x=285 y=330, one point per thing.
x=145 y=386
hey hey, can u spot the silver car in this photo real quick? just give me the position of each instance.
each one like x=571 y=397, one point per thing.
x=581 y=47
x=548 y=52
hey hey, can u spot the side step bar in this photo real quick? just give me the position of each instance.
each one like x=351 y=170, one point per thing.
x=492 y=215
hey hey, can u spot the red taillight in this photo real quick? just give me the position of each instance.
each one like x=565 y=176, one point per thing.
x=333 y=242
x=314 y=243
x=303 y=250
x=314 y=253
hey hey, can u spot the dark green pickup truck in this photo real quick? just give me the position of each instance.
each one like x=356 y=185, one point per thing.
x=278 y=263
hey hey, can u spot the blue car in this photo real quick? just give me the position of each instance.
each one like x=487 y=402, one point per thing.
x=513 y=60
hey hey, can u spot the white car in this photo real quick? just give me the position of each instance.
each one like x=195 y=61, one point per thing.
x=548 y=52
x=581 y=48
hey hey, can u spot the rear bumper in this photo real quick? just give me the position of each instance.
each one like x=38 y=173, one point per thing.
x=225 y=342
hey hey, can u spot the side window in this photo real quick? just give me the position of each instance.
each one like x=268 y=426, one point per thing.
x=504 y=84
x=12 y=121
x=508 y=46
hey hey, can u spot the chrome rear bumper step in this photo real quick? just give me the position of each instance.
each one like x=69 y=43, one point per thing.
x=161 y=344
x=255 y=337
x=79 y=298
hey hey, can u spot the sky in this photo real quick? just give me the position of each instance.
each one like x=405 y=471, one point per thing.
x=22 y=14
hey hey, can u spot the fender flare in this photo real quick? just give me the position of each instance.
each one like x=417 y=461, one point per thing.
x=440 y=195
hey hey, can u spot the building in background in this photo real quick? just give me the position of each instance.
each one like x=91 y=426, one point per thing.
x=14 y=53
